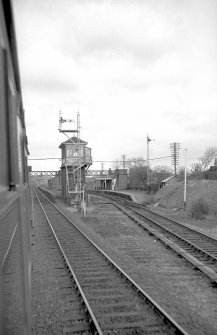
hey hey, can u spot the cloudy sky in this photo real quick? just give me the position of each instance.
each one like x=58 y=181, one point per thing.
x=131 y=67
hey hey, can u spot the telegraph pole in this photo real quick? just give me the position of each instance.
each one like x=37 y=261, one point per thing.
x=148 y=140
x=124 y=161
x=185 y=181
x=174 y=147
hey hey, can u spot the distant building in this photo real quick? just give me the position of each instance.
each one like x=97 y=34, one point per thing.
x=55 y=183
x=112 y=180
x=213 y=171
x=168 y=180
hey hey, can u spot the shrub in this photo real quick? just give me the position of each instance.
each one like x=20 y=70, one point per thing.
x=152 y=188
x=199 y=209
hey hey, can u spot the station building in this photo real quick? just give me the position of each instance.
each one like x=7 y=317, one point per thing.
x=112 y=180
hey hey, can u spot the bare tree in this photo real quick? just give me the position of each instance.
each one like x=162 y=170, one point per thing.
x=208 y=156
x=196 y=168
x=204 y=161
x=136 y=162
x=163 y=169
x=137 y=172
x=161 y=172
x=117 y=164
x=137 y=177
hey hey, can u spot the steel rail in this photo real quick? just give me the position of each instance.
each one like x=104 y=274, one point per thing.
x=93 y=321
x=164 y=315
x=9 y=246
x=134 y=204
x=176 y=234
x=196 y=263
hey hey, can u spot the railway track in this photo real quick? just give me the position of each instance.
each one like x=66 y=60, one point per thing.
x=114 y=303
x=196 y=247
x=12 y=286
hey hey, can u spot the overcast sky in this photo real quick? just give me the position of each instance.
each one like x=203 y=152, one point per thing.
x=130 y=67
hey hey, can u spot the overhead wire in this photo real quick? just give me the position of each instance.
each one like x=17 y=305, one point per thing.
x=102 y=161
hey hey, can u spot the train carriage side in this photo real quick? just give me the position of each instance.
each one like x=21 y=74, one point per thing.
x=15 y=216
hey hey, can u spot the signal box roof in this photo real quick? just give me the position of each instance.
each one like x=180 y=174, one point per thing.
x=73 y=140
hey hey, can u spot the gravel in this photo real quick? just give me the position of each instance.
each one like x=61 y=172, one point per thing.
x=186 y=294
